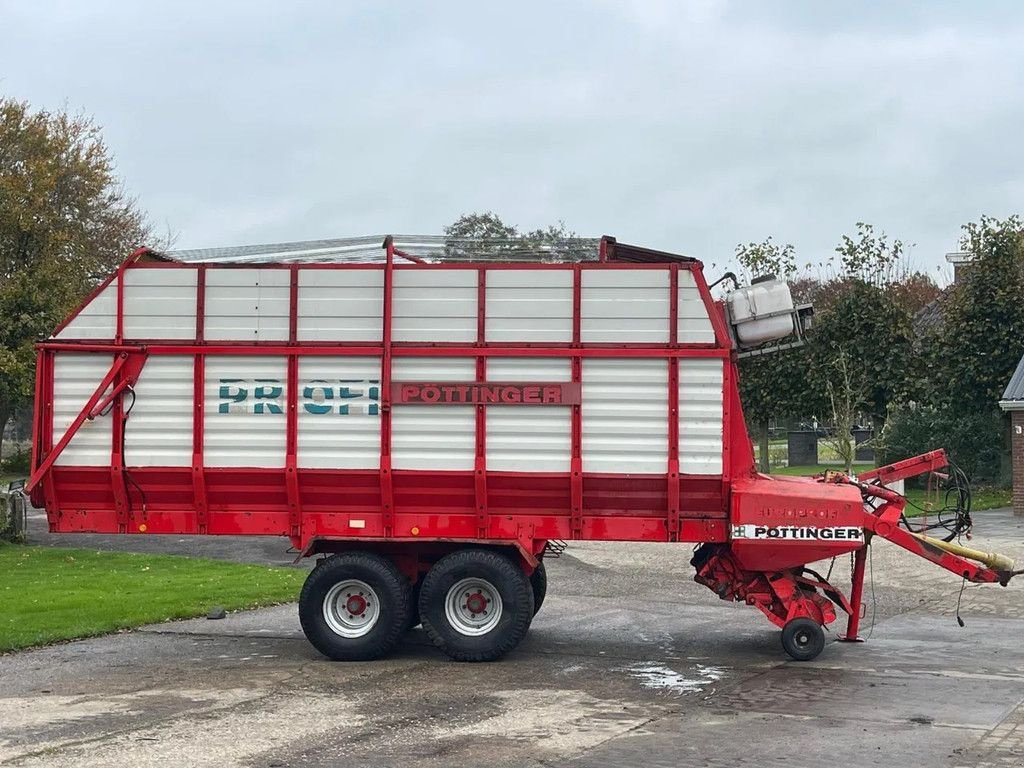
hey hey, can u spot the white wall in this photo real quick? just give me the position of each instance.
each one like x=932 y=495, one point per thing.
x=339 y=412
x=529 y=438
x=76 y=377
x=433 y=436
x=625 y=415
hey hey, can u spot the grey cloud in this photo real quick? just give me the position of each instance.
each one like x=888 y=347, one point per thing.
x=683 y=126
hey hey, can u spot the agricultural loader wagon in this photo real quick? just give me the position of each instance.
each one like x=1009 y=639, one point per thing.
x=432 y=428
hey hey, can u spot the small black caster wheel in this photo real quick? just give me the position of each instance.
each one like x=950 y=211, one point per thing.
x=803 y=639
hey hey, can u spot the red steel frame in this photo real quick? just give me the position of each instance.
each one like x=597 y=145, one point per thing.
x=525 y=508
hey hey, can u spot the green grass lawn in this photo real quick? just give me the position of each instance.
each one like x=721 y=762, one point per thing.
x=981 y=498
x=48 y=594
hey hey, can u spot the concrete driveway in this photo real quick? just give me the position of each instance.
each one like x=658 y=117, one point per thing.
x=628 y=664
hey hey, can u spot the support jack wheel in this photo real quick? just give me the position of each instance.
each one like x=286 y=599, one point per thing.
x=803 y=639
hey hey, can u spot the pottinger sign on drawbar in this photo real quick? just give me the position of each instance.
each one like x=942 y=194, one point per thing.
x=484 y=393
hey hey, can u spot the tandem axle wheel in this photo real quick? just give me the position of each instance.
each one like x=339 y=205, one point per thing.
x=475 y=604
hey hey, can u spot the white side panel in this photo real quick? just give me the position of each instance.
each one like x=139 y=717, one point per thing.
x=694 y=325
x=529 y=438
x=433 y=436
x=247 y=304
x=529 y=305
x=625 y=415
x=341 y=304
x=434 y=305
x=97 y=320
x=75 y=378
x=159 y=428
x=245 y=411
x=700 y=416
x=160 y=303
x=625 y=306
x=339 y=412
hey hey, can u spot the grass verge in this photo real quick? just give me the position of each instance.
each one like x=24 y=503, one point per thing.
x=981 y=498
x=49 y=594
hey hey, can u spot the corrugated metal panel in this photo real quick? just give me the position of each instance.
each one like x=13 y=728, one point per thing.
x=694 y=324
x=533 y=305
x=625 y=415
x=247 y=304
x=160 y=303
x=159 y=428
x=433 y=436
x=434 y=305
x=700 y=416
x=339 y=412
x=97 y=320
x=245 y=411
x=625 y=306
x=341 y=305
x=529 y=439
x=75 y=379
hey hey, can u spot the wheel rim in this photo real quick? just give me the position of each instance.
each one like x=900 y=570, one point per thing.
x=473 y=607
x=802 y=639
x=351 y=608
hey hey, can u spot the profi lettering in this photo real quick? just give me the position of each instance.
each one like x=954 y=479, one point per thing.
x=317 y=397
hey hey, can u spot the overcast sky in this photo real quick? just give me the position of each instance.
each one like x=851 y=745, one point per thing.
x=683 y=126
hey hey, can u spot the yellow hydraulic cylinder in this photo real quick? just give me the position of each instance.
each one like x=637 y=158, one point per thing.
x=993 y=560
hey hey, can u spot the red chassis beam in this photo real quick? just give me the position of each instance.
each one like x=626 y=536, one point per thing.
x=901 y=470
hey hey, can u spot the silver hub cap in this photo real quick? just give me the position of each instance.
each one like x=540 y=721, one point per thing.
x=351 y=608
x=473 y=607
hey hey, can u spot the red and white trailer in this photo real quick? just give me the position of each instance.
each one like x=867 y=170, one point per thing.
x=437 y=428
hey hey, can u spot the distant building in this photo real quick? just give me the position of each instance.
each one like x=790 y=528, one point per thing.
x=1013 y=403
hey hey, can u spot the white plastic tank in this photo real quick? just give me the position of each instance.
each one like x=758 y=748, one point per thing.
x=761 y=312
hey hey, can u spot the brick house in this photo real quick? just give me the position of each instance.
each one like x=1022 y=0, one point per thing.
x=1013 y=403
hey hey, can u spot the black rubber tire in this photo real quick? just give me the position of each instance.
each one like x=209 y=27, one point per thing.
x=539 y=583
x=803 y=639
x=511 y=584
x=383 y=577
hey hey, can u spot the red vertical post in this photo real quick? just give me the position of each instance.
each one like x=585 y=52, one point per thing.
x=673 y=406
x=729 y=385
x=576 y=461
x=119 y=318
x=292 y=414
x=118 y=485
x=37 y=414
x=856 y=595
x=386 y=489
x=198 y=409
x=480 y=460
x=722 y=338
x=46 y=426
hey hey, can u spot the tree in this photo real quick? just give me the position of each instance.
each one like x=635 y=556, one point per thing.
x=65 y=220
x=914 y=291
x=874 y=335
x=865 y=325
x=486 y=236
x=842 y=398
x=870 y=258
x=982 y=337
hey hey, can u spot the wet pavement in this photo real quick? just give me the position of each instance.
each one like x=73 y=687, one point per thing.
x=629 y=663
